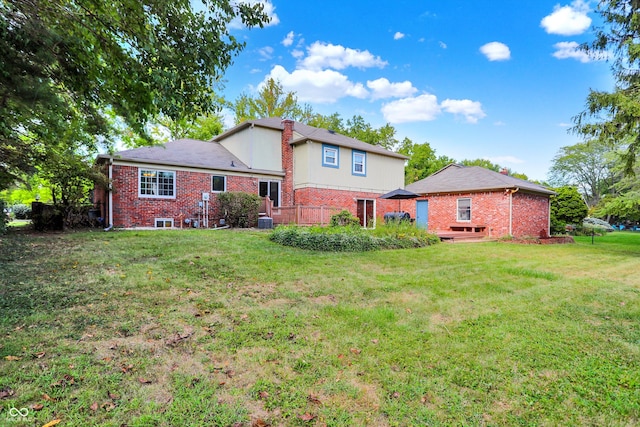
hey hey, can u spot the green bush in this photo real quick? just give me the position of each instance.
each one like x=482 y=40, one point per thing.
x=21 y=211
x=567 y=207
x=344 y=219
x=239 y=209
x=351 y=239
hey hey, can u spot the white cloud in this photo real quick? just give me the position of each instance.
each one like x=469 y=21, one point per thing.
x=504 y=159
x=288 y=40
x=269 y=10
x=318 y=86
x=568 y=20
x=443 y=45
x=496 y=51
x=297 y=53
x=471 y=110
x=322 y=55
x=398 y=35
x=567 y=50
x=383 y=88
x=266 y=53
x=421 y=108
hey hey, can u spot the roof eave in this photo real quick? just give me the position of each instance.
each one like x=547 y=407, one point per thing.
x=195 y=166
x=303 y=139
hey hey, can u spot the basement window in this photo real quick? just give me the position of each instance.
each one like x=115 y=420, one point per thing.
x=164 y=222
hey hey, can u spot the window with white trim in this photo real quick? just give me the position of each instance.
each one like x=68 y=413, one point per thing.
x=359 y=163
x=330 y=156
x=464 y=209
x=164 y=222
x=157 y=183
x=218 y=183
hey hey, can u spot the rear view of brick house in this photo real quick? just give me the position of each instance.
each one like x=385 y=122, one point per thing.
x=295 y=167
x=476 y=199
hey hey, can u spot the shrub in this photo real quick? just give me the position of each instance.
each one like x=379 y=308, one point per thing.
x=22 y=211
x=344 y=219
x=351 y=239
x=239 y=209
x=597 y=225
x=567 y=207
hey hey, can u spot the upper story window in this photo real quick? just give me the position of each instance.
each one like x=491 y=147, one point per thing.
x=330 y=156
x=359 y=164
x=156 y=183
x=464 y=209
x=218 y=183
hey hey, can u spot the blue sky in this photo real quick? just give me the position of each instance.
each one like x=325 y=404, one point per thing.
x=499 y=80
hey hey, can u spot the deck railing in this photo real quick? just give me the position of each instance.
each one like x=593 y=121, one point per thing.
x=303 y=215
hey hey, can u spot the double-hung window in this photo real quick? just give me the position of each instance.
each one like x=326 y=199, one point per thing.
x=330 y=156
x=464 y=209
x=218 y=183
x=157 y=183
x=359 y=163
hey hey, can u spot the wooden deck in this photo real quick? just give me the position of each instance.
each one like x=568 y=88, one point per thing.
x=461 y=236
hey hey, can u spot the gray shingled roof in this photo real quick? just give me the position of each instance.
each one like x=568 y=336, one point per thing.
x=459 y=179
x=314 y=134
x=186 y=153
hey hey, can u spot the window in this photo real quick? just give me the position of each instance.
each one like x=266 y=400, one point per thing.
x=464 y=209
x=330 y=155
x=154 y=183
x=164 y=223
x=271 y=189
x=359 y=163
x=218 y=184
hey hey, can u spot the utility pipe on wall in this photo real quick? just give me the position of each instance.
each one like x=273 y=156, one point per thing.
x=511 y=210
x=110 y=193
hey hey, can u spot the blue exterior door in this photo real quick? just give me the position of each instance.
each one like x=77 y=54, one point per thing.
x=422 y=213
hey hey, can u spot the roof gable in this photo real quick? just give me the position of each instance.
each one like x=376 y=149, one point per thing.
x=456 y=178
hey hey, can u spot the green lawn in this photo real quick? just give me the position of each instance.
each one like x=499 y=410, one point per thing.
x=225 y=328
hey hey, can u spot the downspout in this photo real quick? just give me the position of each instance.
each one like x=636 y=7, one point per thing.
x=110 y=189
x=511 y=210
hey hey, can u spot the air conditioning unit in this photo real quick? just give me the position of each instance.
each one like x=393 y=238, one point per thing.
x=205 y=197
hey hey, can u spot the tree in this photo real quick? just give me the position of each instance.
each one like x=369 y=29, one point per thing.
x=590 y=166
x=615 y=116
x=69 y=61
x=567 y=207
x=622 y=202
x=332 y=122
x=203 y=127
x=357 y=128
x=271 y=101
x=422 y=160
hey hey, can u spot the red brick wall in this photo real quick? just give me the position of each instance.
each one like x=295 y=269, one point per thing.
x=288 y=198
x=129 y=210
x=530 y=212
x=343 y=199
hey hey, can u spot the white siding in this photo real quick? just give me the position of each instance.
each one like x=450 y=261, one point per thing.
x=383 y=173
x=257 y=147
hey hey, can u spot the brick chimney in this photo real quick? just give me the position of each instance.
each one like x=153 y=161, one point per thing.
x=504 y=171
x=287 y=163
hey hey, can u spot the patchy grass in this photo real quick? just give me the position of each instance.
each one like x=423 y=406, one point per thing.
x=225 y=328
